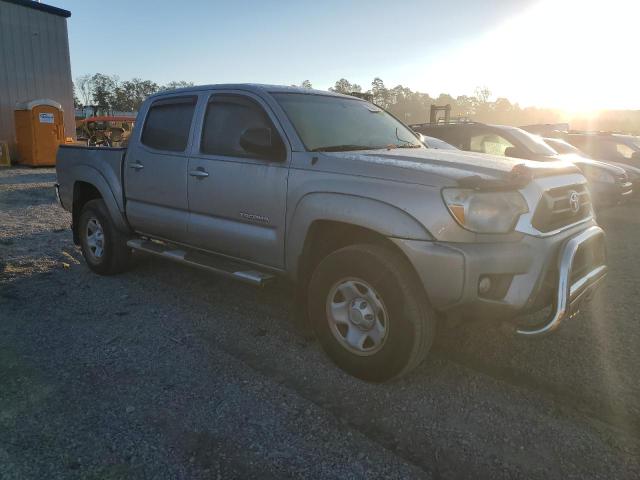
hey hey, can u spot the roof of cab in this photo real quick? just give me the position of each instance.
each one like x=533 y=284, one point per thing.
x=252 y=87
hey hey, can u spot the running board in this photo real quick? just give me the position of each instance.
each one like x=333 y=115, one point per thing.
x=211 y=263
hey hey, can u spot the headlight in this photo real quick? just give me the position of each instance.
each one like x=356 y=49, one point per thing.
x=485 y=212
x=598 y=175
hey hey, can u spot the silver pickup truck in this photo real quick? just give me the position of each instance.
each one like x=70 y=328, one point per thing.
x=382 y=236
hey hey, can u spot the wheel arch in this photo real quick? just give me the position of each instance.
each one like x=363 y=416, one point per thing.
x=89 y=185
x=324 y=222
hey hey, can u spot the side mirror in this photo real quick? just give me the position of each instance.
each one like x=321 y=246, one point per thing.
x=513 y=152
x=260 y=141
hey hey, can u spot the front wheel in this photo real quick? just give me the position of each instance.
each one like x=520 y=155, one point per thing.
x=369 y=312
x=104 y=248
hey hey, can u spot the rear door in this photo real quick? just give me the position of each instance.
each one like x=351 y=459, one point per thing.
x=155 y=169
x=237 y=199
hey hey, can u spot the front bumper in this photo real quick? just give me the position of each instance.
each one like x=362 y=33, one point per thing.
x=572 y=290
x=561 y=270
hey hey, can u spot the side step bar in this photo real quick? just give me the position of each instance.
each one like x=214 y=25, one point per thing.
x=212 y=263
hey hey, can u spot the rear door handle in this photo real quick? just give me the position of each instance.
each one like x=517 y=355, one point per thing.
x=137 y=166
x=198 y=173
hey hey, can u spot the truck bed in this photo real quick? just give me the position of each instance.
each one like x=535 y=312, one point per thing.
x=93 y=165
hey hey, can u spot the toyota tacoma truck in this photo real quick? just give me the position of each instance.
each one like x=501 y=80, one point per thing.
x=382 y=236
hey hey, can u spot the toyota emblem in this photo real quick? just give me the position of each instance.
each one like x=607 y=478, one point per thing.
x=574 y=201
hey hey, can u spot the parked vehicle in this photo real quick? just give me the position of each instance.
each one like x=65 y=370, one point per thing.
x=381 y=235
x=104 y=131
x=612 y=185
x=608 y=183
x=620 y=150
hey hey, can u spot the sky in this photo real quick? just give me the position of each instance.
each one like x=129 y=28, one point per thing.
x=579 y=55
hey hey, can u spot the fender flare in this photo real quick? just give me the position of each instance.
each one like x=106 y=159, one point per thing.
x=379 y=216
x=86 y=174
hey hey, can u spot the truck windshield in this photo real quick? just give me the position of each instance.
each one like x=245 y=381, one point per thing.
x=326 y=123
x=561 y=146
x=533 y=143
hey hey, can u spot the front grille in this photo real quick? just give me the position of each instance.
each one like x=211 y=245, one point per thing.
x=562 y=206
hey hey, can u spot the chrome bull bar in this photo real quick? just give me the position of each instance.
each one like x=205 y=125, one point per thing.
x=569 y=295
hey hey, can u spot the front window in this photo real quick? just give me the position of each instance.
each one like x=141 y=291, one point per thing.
x=226 y=119
x=326 y=123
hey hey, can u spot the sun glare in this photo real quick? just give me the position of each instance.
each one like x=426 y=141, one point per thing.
x=569 y=54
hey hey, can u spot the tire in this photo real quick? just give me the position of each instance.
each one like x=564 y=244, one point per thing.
x=371 y=292
x=106 y=253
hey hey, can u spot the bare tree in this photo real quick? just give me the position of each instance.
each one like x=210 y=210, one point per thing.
x=483 y=94
x=85 y=89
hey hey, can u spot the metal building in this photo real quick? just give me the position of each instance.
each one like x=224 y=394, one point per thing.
x=34 y=62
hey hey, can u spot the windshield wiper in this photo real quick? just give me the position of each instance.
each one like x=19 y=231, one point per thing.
x=411 y=145
x=344 y=148
x=405 y=143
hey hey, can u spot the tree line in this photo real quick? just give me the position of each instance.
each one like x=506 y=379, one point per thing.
x=414 y=107
x=107 y=93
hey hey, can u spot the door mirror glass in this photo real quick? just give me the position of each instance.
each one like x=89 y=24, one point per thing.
x=514 y=152
x=259 y=141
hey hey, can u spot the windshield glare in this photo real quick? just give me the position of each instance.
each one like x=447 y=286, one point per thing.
x=335 y=123
x=533 y=143
x=561 y=146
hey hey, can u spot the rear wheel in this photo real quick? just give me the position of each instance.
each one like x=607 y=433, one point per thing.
x=369 y=312
x=104 y=248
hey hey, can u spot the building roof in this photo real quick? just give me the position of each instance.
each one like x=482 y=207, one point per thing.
x=41 y=6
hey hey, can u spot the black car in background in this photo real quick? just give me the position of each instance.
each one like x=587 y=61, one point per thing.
x=608 y=184
x=600 y=174
x=615 y=149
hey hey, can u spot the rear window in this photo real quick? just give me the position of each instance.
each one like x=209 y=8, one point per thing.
x=168 y=124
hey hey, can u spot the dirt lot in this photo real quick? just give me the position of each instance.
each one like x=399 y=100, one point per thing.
x=167 y=372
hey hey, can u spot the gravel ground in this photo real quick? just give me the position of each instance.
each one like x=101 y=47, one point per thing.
x=168 y=372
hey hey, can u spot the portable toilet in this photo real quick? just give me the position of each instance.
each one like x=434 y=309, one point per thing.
x=39 y=131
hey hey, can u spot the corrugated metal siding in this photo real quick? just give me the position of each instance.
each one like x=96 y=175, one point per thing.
x=34 y=63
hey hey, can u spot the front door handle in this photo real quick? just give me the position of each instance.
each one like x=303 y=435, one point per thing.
x=199 y=173
x=136 y=166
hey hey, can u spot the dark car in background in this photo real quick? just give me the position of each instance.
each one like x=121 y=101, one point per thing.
x=609 y=184
x=615 y=149
x=600 y=174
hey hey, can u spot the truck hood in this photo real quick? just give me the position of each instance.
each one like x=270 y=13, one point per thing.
x=437 y=167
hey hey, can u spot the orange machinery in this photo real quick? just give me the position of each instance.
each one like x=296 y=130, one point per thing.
x=39 y=131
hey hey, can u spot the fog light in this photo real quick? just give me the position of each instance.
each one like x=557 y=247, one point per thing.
x=484 y=285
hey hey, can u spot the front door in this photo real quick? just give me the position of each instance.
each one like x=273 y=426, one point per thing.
x=237 y=199
x=155 y=170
